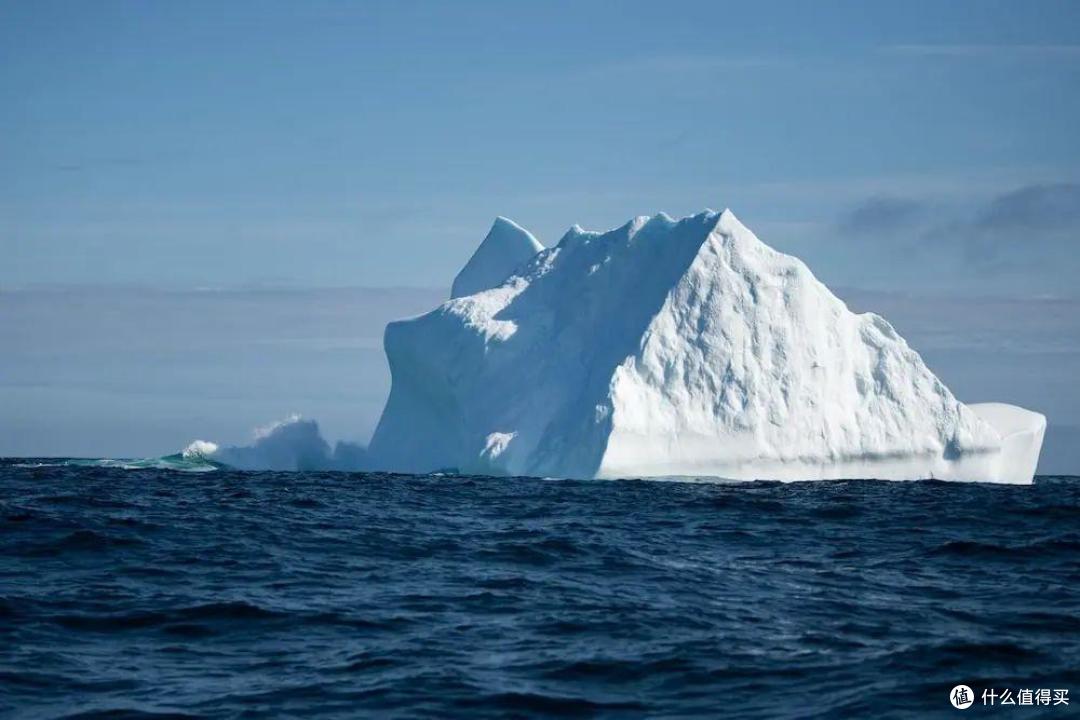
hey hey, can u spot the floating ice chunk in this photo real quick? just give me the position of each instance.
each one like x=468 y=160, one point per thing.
x=290 y=444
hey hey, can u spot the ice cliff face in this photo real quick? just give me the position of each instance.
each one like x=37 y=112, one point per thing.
x=671 y=348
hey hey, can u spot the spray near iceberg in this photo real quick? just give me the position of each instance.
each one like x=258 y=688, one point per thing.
x=674 y=348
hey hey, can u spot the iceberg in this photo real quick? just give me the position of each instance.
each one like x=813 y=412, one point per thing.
x=671 y=349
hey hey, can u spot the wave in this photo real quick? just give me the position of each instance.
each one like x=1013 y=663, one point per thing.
x=178 y=462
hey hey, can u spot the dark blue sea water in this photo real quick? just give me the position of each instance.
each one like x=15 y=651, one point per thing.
x=150 y=592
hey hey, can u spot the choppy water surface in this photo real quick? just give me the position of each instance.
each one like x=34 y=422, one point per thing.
x=154 y=591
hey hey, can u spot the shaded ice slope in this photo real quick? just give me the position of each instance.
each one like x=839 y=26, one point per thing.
x=508 y=380
x=506 y=247
x=671 y=348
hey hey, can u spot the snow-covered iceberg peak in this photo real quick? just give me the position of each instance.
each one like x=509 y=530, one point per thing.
x=506 y=247
x=673 y=348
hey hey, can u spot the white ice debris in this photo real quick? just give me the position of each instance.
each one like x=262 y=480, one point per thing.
x=672 y=348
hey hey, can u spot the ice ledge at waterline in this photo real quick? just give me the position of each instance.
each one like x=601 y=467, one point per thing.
x=670 y=348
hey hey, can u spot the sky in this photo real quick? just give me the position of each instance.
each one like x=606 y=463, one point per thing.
x=330 y=144
x=925 y=151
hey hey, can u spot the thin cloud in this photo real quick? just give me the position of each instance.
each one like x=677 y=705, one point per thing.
x=649 y=66
x=968 y=51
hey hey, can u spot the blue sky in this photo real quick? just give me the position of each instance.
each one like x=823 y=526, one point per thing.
x=329 y=144
x=922 y=157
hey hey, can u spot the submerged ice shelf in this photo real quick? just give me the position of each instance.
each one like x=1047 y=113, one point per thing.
x=673 y=348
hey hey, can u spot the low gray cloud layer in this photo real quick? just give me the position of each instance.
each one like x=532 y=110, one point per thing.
x=883 y=214
x=1023 y=241
x=1034 y=207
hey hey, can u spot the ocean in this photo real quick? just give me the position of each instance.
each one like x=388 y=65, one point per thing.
x=152 y=590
